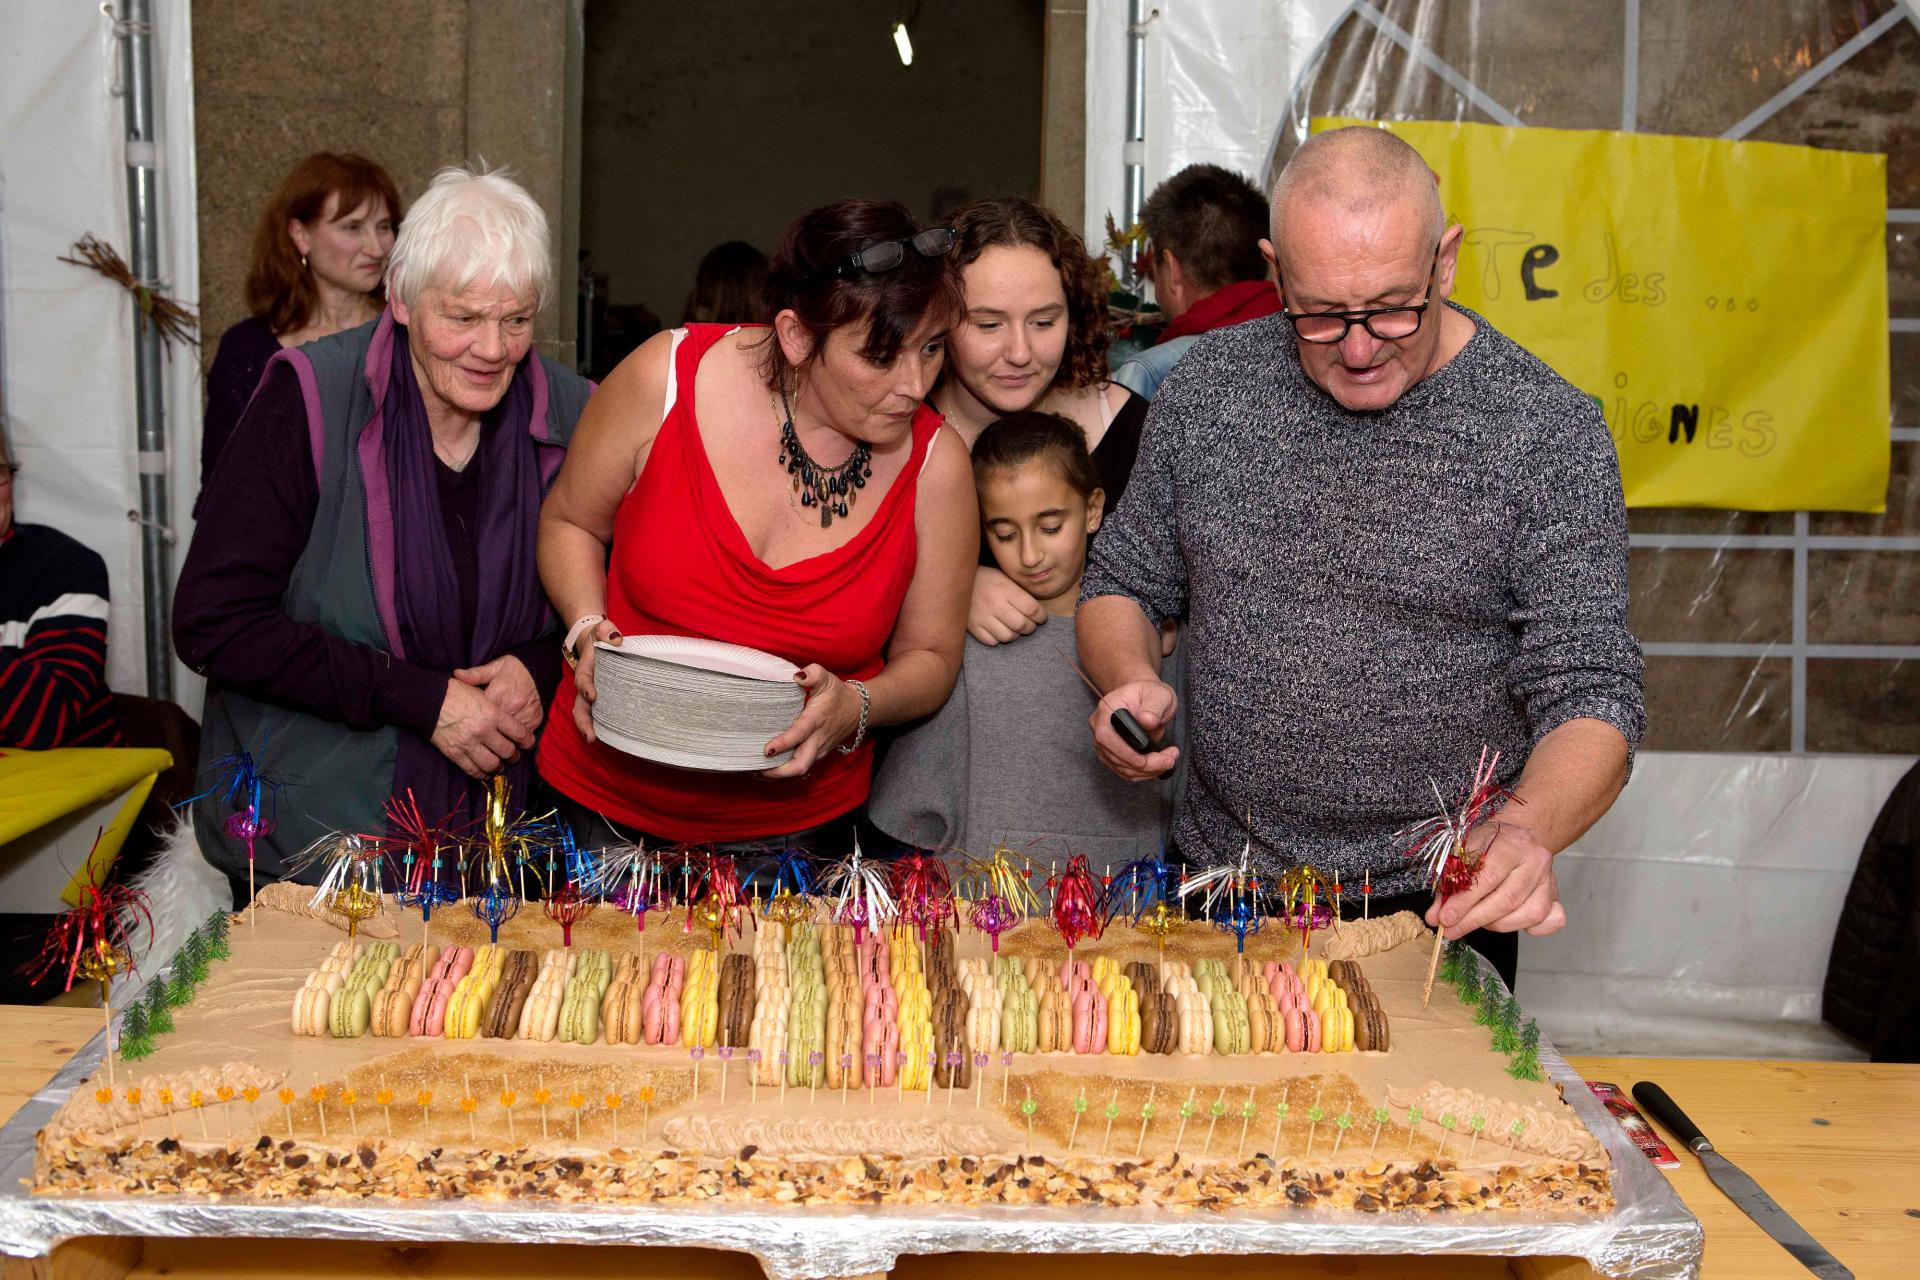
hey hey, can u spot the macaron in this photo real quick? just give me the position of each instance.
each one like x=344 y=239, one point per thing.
x=350 y=1014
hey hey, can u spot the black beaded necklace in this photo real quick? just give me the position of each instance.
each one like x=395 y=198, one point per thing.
x=828 y=488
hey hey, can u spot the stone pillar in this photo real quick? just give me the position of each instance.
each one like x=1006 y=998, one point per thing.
x=1063 y=127
x=523 y=82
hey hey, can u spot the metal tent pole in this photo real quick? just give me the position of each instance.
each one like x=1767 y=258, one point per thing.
x=143 y=220
x=1136 y=144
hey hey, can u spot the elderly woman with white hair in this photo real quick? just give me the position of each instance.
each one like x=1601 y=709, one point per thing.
x=362 y=592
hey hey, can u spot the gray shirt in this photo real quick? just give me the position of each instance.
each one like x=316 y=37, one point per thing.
x=1009 y=759
x=1371 y=596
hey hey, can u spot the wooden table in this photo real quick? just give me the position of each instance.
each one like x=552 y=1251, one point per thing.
x=1838 y=1144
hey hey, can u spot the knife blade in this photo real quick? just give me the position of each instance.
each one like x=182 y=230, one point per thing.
x=1739 y=1187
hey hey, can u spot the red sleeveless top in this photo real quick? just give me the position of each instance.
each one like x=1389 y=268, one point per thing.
x=681 y=566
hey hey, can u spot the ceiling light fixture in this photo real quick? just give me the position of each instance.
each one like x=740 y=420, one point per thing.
x=902 y=43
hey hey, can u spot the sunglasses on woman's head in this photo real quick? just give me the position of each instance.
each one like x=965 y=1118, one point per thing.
x=875 y=259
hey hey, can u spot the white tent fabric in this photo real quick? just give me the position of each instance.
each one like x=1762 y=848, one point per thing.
x=66 y=334
x=1219 y=74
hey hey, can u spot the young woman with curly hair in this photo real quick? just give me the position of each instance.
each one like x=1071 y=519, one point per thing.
x=1034 y=338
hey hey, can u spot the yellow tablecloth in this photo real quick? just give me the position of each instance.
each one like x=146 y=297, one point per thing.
x=41 y=787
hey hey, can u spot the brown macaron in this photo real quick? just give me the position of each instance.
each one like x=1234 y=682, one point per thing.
x=736 y=1000
x=950 y=1042
x=1166 y=1025
x=1378 y=1038
x=517 y=975
x=1144 y=977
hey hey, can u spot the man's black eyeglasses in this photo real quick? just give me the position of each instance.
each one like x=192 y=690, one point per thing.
x=935 y=242
x=1388 y=324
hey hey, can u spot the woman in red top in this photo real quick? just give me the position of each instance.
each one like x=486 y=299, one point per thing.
x=680 y=465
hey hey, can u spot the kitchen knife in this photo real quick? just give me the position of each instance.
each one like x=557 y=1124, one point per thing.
x=1739 y=1188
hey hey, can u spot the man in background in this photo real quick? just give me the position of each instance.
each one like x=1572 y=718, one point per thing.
x=53 y=634
x=1204 y=227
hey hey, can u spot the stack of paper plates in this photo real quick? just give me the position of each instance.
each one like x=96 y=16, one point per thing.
x=693 y=704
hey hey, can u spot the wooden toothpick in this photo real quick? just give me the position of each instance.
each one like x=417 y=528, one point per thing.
x=1146 y=1118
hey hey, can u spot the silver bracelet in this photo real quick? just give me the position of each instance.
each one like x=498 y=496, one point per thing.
x=859 y=733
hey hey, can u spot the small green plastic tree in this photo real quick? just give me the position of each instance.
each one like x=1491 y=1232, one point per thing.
x=1525 y=1062
x=179 y=988
x=219 y=944
x=198 y=954
x=159 y=1012
x=136 y=1034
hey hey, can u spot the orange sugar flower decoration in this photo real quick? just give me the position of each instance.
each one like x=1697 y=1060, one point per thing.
x=613 y=1101
x=251 y=1093
x=166 y=1096
x=348 y=1096
x=508 y=1097
x=469 y=1103
x=224 y=1093
x=318 y=1093
x=133 y=1096
x=383 y=1097
x=103 y=1095
x=646 y=1093
x=424 y=1097
x=576 y=1100
x=193 y=1098
x=286 y=1097
x=542 y=1097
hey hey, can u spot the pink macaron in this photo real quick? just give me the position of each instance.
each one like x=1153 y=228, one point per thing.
x=1313 y=1030
x=435 y=1023
x=1296 y=1029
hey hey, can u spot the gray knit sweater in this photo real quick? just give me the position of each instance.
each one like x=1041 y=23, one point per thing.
x=1371 y=596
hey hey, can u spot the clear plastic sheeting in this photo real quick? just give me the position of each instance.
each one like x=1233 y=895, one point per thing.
x=1649 y=1233
x=1701 y=908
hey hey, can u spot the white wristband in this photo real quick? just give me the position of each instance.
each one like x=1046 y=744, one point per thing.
x=573 y=633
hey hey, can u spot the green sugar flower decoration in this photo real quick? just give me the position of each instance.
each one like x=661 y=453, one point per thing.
x=1280 y=1108
x=1247 y=1109
x=1186 y=1110
x=1316 y=1115
x=1448 y=1123
x=1477 y=1124
x=1028 y=1107
x=1080 y=1102
x=1146 y=1110
x=1112 y=1111
x=1344 y=1120
x=1414 y=1115
x=1380 y=1115
x=1514 y=1129
x=1218 y=1109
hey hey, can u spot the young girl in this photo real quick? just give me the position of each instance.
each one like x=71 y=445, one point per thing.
x=1008 y=758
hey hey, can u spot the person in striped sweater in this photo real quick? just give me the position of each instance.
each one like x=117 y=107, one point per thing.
x=53 y=634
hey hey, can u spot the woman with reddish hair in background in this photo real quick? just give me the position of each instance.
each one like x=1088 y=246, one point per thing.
x=318 y=265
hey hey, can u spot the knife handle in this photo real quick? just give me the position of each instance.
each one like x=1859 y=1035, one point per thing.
x=1671 y=1117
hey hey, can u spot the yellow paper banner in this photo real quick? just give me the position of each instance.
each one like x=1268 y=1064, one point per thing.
x=1725 y=303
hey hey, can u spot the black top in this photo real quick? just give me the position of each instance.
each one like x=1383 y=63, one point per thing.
x=1113 y=456
x=242 y=358
x=227 y=616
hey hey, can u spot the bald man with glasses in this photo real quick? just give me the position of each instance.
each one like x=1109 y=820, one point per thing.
x=1398 y=538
